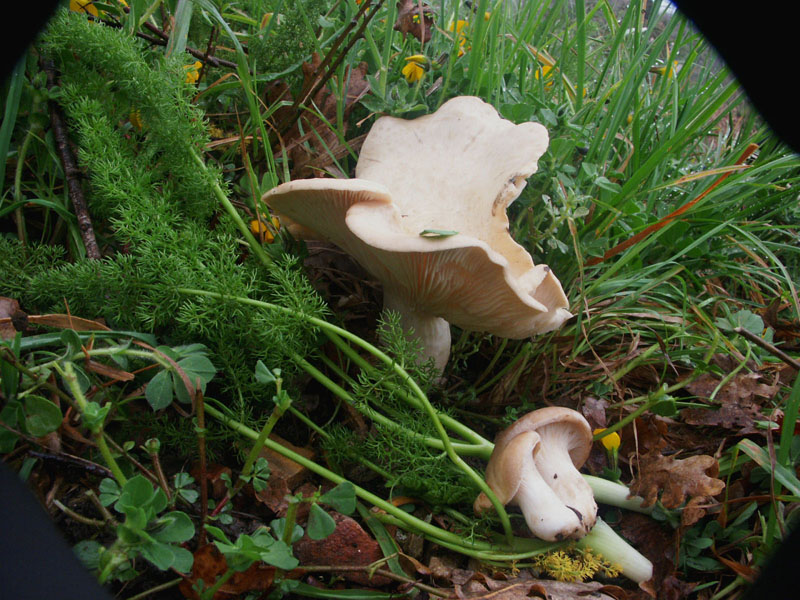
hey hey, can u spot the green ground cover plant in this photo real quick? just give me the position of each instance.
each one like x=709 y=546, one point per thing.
x=158 y=321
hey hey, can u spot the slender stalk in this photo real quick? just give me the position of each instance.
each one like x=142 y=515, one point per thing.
x=420 y=396
x=68 y=373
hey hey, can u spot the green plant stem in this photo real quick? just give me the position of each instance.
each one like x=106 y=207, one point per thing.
x=522 y=354
x=254 y=453
x=461 y=448
x=209 y=592
x=420 y=396
x=616 y=550
x=452 y=424
x=153 y=590
x=19 y=215
x=68 y=373
x=409 y=520
x=256 y=248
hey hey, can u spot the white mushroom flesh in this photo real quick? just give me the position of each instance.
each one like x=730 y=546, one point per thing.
x=546 y=515
x=555 y=465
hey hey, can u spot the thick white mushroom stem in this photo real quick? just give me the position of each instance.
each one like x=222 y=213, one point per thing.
x=546 y=515
x=433 y=332
x=555 y=466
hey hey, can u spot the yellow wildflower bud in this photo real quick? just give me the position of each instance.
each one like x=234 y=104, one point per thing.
x=545 y=73
x=85 y=6
x=663 y=70
x=263 y=231
x=193 y=72
x=611 y=441
x=135 y=117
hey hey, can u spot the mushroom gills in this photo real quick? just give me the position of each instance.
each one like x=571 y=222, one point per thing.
x=516 y=480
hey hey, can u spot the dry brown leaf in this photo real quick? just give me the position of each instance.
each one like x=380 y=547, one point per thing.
x=12 y=318
x=348 y=545
x=68 y=322
x=315 y=149
x=416 y=18
x=524 y=587
x=209 y=565
x=676 y=479
x=739 y=400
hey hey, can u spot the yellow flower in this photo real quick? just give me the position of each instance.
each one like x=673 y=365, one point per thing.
x=84 y=6
x=545 y=73
x=459 y=28
x=136 y=119
x=416 y=67
x=193 y=72
x=611 y=441
x=663 y=70
x=263 y=231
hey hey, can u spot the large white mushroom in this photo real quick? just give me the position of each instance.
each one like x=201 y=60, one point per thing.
x=426 y=215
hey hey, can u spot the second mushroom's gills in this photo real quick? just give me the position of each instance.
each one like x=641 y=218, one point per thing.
x=455 y=170
x=516 y=480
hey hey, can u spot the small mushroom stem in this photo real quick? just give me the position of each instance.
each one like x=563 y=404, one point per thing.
x=546 y=515
x=432 y=332
x=555 y=466
x=613 y=548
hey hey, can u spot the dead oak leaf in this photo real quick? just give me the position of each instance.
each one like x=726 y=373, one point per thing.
x=415 y=18
x=739 y=402
x=676 y=479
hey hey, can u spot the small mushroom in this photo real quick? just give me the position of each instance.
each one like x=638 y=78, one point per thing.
x=515 y=479
x=426 y=216
x=565 y=440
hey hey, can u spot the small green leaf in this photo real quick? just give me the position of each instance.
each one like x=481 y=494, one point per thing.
x=88 y=552
x=320 y=524
x=667 y=407
x=342 y=498
x=12 y=414
x=159 y=391
x=196 y=366
x=71 y=339
x=160 y=555
x=175 y=526
x=41 y=416
x=183 y=559
x=279 y=528
x=109 y=491
x=279 y=555
x=263 y=374
x=437 y=233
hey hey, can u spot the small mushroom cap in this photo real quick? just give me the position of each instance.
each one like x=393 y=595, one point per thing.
x=505 y=470
x=580 y=432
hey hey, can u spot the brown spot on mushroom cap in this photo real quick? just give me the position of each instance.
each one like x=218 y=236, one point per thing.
x=542 y=418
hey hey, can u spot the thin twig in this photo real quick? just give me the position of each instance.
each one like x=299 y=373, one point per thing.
x=71 y=171
x=759 y=341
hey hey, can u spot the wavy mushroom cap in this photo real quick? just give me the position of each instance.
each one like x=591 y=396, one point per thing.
x=454 y=170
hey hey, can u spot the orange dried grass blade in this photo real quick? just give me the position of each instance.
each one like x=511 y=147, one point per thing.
x=673 y=215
